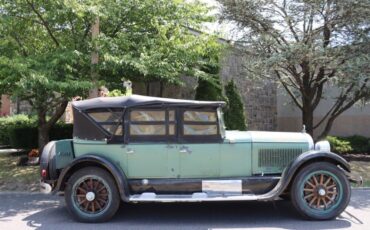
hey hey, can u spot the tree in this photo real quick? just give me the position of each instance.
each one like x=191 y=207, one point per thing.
x=155 y=41
x=44 y=56
x=234 y=113
x=210 y=89
x=308 y=46
x=46 y=48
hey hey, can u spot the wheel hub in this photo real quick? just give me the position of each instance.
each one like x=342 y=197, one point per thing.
x=90 y=196
x=321 y=192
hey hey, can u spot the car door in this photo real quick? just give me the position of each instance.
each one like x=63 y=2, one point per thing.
x=199 y=146
x=148 y=133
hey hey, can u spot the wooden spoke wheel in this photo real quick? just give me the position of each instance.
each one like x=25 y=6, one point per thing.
x=320 y=191
x=91 y=195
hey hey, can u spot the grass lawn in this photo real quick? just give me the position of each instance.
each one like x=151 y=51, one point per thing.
x=17 y=178
x=26 y=178
x=362 y=168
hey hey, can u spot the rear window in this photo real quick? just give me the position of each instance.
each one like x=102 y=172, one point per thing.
x=110 y=121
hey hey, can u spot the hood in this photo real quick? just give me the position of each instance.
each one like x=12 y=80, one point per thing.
x=261 y=136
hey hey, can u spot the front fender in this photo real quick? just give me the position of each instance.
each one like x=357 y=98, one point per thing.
x=292 y=169
x=118 y=174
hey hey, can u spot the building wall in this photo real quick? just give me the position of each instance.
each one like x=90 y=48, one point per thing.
x=259 y=96
x=5 y=105
x=354 y=121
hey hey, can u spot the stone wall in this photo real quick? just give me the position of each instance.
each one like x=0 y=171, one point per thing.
x=259 y=96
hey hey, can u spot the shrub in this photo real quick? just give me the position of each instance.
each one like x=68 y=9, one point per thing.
x=210 y=89
x=10 y=122
x=26 y=137
x=339 y=145
x=359 y=144
x=234 y=113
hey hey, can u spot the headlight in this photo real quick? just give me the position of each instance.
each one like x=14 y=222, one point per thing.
x=322 y=145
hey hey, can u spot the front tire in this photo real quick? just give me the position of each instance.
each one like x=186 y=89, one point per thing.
x=91 y=195
x=320 y=191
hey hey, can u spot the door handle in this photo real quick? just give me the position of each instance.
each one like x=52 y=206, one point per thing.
x=130 y=151
x=185 y=149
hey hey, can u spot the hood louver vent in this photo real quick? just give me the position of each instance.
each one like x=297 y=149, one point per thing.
x=276 y=158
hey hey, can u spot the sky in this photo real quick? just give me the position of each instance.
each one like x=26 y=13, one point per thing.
x=226 y=30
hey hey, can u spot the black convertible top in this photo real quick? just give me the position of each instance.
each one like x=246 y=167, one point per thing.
x=138 y=100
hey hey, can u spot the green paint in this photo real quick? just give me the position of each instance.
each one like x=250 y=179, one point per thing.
x=63 y=153
x=236 y=156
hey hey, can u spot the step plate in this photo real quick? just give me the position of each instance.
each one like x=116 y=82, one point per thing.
x=195 y=197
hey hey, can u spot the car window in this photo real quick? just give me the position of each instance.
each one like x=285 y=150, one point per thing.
x=147 y=129
x=152 y=123
x=111 y=121
x=106 y=116
x=147 y=115
x=200 y=116
x=200 y=129
x=114 y=129
x=200 y=123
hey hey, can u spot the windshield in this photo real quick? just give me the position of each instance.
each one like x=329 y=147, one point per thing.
x=221 y=122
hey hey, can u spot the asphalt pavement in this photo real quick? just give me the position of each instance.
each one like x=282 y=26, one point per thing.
x=37 y=211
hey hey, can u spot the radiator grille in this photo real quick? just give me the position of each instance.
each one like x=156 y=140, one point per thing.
x=276 y=157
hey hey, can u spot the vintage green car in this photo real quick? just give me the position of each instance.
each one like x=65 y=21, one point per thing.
x=149 y=149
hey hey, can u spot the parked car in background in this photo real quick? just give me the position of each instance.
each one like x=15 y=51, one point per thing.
x=148 y=149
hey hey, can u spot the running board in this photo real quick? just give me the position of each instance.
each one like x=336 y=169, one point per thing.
x=195 y=197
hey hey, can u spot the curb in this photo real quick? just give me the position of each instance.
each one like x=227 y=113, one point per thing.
x=21 y=193
x=361 y=188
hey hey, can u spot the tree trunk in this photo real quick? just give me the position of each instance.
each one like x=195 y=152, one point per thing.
x=161 y=88
x=43 y=129
x=147 y=88
x=43 y=137
x=45 y=125
x=307 y=118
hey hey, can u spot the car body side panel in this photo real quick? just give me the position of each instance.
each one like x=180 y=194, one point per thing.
x=235 y=159
x=199 y=160
x=147 y=160
x=112 y=152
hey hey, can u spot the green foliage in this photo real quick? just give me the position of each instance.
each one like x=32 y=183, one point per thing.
x=352 y=144
x=116 y=93
x=153 y=40
x=234 y=113
x=25 y=136
x=210 y=89
x=20 y=131
x=8 y=123
x=339 y=145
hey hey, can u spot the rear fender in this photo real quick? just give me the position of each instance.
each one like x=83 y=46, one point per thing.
x=91 y=160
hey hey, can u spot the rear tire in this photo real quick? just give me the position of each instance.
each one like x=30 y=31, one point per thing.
x=320 y=191
x=91 y=195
